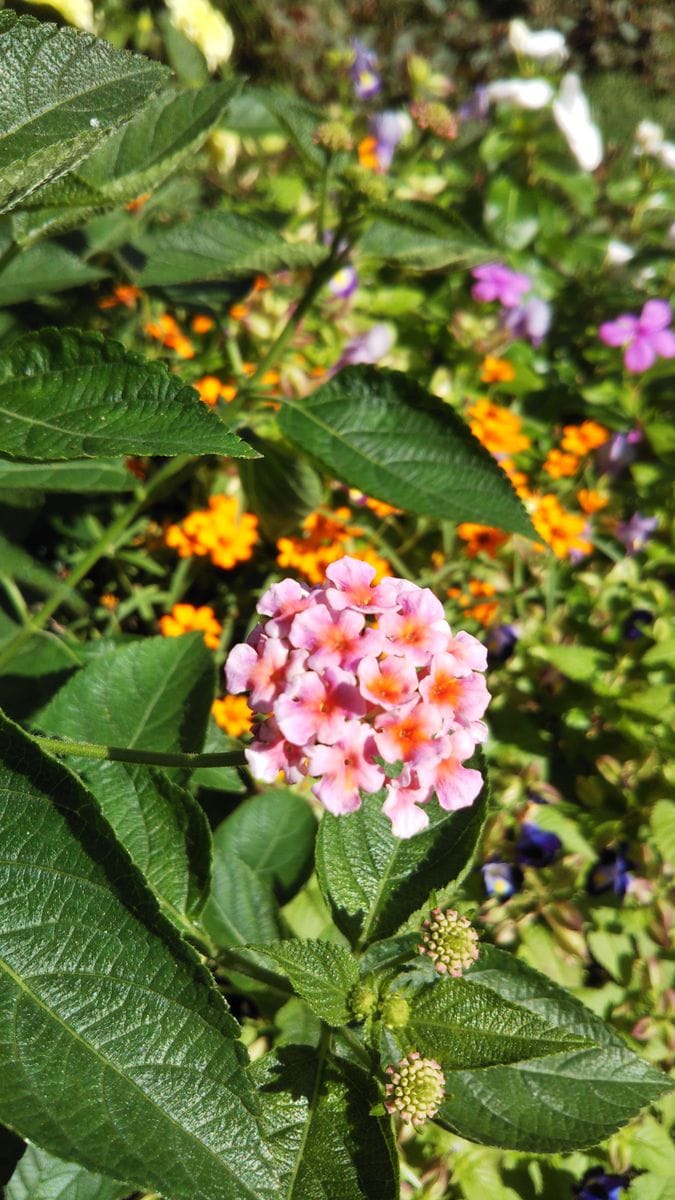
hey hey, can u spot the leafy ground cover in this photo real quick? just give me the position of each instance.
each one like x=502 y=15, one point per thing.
x=425 y=324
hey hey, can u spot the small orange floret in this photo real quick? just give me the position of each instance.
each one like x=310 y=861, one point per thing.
x=109 y=601
x=497 y=370
x=518 y=478
x=581 y=439
x=563 y=531
x=233 y=715
x=591 y=501
x=367 y=152
x=481 y=538
x=212 y=389
x=186 y=618
x=202 y=323
x=136 y=205
x=499 y=429
x=561 y=465
x=124 y=293
x=324 y=539
x=239 y=311
x=167 y=331
x=219 y=532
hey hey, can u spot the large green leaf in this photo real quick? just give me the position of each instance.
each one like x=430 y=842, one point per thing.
x=133 y=160
x=462 y=1025
x=219 y=245
x=379 y=431
x=154 y=694
x=511 y=213
x=296 y=118
x=117 y=1051
x=241 y=907
x=374 y=881
x=43 y=269
x=66 y=394
x=274 y=833
x=322 y=973
x=317 y=1113
x=421 y=237
x=61 y=92
x=76 y=476
x=40 y=1176
x=554 y=1101
x=163 y=828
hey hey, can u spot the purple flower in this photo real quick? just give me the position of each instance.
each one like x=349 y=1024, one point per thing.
x=343 y=283
x=497 y=282
x=535 y=847
x=633 y=626
x=500 y=642
x=636 y=532
x=530 y=320
x=477 y=107
x=618 y=452
x=598 y=1185
x=610 y=874
x=388 y=128
x=645 y=338
x=501 y=879
x=368 y=347
x=363 y=72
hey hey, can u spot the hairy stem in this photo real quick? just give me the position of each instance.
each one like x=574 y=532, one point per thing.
x=155 y=758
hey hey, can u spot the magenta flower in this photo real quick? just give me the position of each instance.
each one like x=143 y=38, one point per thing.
x=364 y=688
x=645 y=338
x=497 y=282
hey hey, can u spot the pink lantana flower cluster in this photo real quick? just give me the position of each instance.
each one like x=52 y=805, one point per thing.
x=364 y=687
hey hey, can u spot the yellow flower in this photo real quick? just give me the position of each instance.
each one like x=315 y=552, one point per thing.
x=204 y=26
x=499 y=429
x=563 y=531
x=185 y=618
x=211 y=390
x=561 y=465
x=78 y=12
x=581 y=439
x=591 y=501
x=233 y=715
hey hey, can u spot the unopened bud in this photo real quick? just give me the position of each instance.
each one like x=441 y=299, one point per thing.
x=431 y=114
x=370 y=184
x=395 y=1011
x=415 y=1089
x=449 y=941
x=334 y=135
x=363 y=1002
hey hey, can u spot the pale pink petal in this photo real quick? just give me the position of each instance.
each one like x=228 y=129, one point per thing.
x=281 y=602
x=467 y=652
x=388 y=682
x=271 y=755
x=240 y=662
x=353 y=586
x=457 y=786
x=406 y=817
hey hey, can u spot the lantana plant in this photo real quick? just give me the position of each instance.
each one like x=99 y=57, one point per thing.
x=260 y=813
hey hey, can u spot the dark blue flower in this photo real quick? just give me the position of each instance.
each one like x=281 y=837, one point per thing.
x=501 y=879
x=500 y=642
x=536 y=847
x=610 y=873
x=598 y=1185
x=632 y=627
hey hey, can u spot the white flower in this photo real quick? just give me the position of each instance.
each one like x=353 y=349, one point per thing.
x=648 y=138
x=618 y=252
x=666 y=155
x=78 y=12
x=542 y=43
x=572 y=115
x=204 y=26
x=524 y=93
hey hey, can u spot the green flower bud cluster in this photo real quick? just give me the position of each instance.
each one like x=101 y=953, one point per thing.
x=449 y=941
x=371 y=185
x=431 y=114
x=415 y=1089
x=363 y=1002
x=334 y=135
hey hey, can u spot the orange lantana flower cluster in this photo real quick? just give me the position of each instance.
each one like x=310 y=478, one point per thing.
x=212 y=389
x=497 y=370
x=233 y=715
x=325 y=538
x=481 y=538
x=186 y=618
x=167 y=331
x=563 y=531
x=219 y=531
x=477 y=590
x=499 y=429
x=577 y=442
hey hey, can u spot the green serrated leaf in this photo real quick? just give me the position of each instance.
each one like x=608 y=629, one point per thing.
x=296 y=118
x=75 y=476
x=40 y=1176
x=61 y=92
x=41 y=270
x=241 y=907
x=133 y=160
x=554 y=1102
x=154 y=694
x=379 y=431
x=662 y=821
x=164 y=830
x=218 y=245
x=274 y=833
x=322 y=973
x=421 y=237
x=66 y=394
x=118 y=1052
x=373 y=881
x=317 y=1114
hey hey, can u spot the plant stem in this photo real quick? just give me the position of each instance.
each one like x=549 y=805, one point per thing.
x=104 y=545
x=132 y=754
